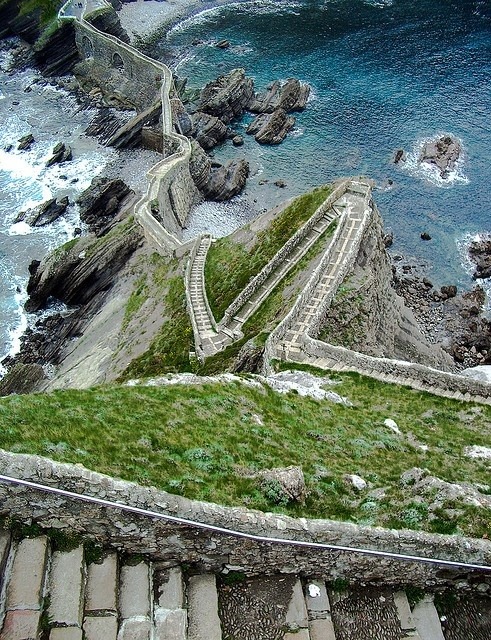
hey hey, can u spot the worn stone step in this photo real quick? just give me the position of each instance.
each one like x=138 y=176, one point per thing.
x=25 y=589
x=203 y=620
x=170 y=615
x=66 y=587
x=134 y=592
x=427 y=620
x=102 y=585
x=319 y=611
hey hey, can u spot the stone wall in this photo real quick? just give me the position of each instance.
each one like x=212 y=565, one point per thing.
x=211 y=550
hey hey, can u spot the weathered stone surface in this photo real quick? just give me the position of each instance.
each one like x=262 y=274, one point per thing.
x=442 y=153
x=45 y=213
x=290 y=96
x=227 y=96
x=204 y=623
x=134 y=594
x=66 y=633
x=316 y=598
x=102 y=584
x=227 y=180
x=25 y=142
x=199 y=166
x=403 y=611
x=427 y=621
x=171 y=624
x=170 y=587
x=321 y=629
x=180 y=118
x=22 y=378
x=208 y=130
x=296 y=616
x=135 y=629
x=271 y=128
x=25 y=588
x=61 y=153
x=107 y=21
x=98 y=628
x=290 y=481
x=100 y=203
x=66 y=581
x=21 y=624
x=57 y=54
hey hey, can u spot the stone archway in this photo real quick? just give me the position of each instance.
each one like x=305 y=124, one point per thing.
x=117 y=61
x=87 y=47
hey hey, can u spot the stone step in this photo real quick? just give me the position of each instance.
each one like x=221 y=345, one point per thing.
x=100 y=620
x=134 y=602
x=170 y=614
x=427 y=620
x=319 y=611
x=203 y=623
x=25 y=589
x=66 y=588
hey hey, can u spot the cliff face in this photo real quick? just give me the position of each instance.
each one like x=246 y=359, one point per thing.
x=12 y=23
x=368 y=316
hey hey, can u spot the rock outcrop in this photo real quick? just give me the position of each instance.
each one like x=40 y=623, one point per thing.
x=22 y=378
x=45 y=213
x=442 y=153
x=25 y=142
x=199 y=166
x=107 y=21
x=56 y=54
x=290 y=96
x=61 y=153
x=271 y=128
x=226 y=181
x=12 y=22
x=228 y=96
x=100 y=203
x=208 y=130
x=480 y=254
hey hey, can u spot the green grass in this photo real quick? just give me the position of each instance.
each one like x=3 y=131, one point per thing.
x=203 y=441
x=229 y=266
x=135 y=301
x=48 y=9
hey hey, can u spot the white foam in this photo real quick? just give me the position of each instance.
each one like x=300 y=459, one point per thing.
x=430 y=173
x=469 y=266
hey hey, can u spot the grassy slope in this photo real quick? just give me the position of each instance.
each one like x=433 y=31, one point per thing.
x=229 y=266
x=196 y=440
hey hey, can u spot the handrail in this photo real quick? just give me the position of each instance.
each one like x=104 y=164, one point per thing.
x=239 y=534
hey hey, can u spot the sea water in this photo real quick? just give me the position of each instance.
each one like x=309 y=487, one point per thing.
x=385 y=75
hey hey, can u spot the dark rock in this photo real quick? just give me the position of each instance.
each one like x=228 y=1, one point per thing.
x=61 y=153
x=107 y=21
x=180 y=117
x=33 y=267
x=22 y=378
x=388 y=239
x=25 y=142
x=271 y=128
x=448 y=291
x=399 y=156
x=237 y=141
x=290 y=96
x=129 y=135
x=16 y=103
x=249 y=358
x=100 y=202
x=227 y=96
x=57 y=53
x=77 y=232
x=199 y=166
x=45 y=213
x=227 y=181
x=208 y=130
x=425 y=236
x=280 y=183
x=480 y=254
x=442 y=153
x=222 y=44
x=8 y=148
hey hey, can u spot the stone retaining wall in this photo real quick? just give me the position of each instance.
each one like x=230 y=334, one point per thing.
x=213 y=551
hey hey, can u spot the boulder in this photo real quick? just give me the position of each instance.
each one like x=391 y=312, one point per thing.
x=226 y=181
x=25 y=142
x=227 y=96
x=290 y=96
x=208 y=130
x=61 y=153
x=237 y=141
x=288 y=480
x=442 y=153
x=425 y=236
x=399 y=156
x=45 y=213
x=480 y=254
x=271 y=128
x=100 y=203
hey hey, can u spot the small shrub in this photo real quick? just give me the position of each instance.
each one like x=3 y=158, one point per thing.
x=274 y=492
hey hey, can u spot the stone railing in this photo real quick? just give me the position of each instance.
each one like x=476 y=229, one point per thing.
x=169 y=181
x=167 y=527
x=290 y=245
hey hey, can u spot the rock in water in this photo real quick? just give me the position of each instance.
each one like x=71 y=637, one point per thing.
x=45 y=213
x=61 y=153
x=227 y=181
x=480 y=254
x=100 y=203
x=208 y=130
x=442 y=153
x=290 y=96
x=227 y=96
x=271 y=128
x=25 y=142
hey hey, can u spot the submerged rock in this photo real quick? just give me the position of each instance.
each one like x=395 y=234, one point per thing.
x=271 y=128
x=442 y=153
x=290 y=96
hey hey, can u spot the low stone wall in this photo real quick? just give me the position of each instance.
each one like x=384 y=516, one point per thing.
x=212 y=550
x=281 y=255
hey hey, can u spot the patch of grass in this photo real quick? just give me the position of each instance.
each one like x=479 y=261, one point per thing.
x=135 y=301
x=229 y=266
x=194 y=440
x=47 y=9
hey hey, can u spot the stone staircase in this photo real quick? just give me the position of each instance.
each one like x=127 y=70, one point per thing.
x=57 y=595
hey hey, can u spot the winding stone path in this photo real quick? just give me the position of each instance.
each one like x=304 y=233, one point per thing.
x=56 y=595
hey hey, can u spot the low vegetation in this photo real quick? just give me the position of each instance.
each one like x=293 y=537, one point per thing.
x=207 y=441
x=229 y=266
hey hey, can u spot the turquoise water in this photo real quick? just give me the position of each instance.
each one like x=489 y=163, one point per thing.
x=385 y=75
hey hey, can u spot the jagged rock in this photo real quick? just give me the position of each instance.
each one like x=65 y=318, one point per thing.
x=237 y=141
x=356 y=482
x=208 y=130
x=290 y=96
x=271 y=128
x=27 y=25
x=425 y=236
x=227 y=96
x=180 y=117
x=227 y=181
x=25 y=142
x=399 y=156
x=442 y=153
x=56 y=54
x=22 y=378
x=107 y=21
x=77 y=271
x=480 y=254
x=448 y=291
x=61 y=153
x=249 y=358
x=130 y=134
x=289 y=480
x=100 y=203
x=45 y=213
x=280 y=183
x=199 y=166
x=388 y=239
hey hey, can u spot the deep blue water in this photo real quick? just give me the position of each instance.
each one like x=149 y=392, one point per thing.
x=385 y=75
